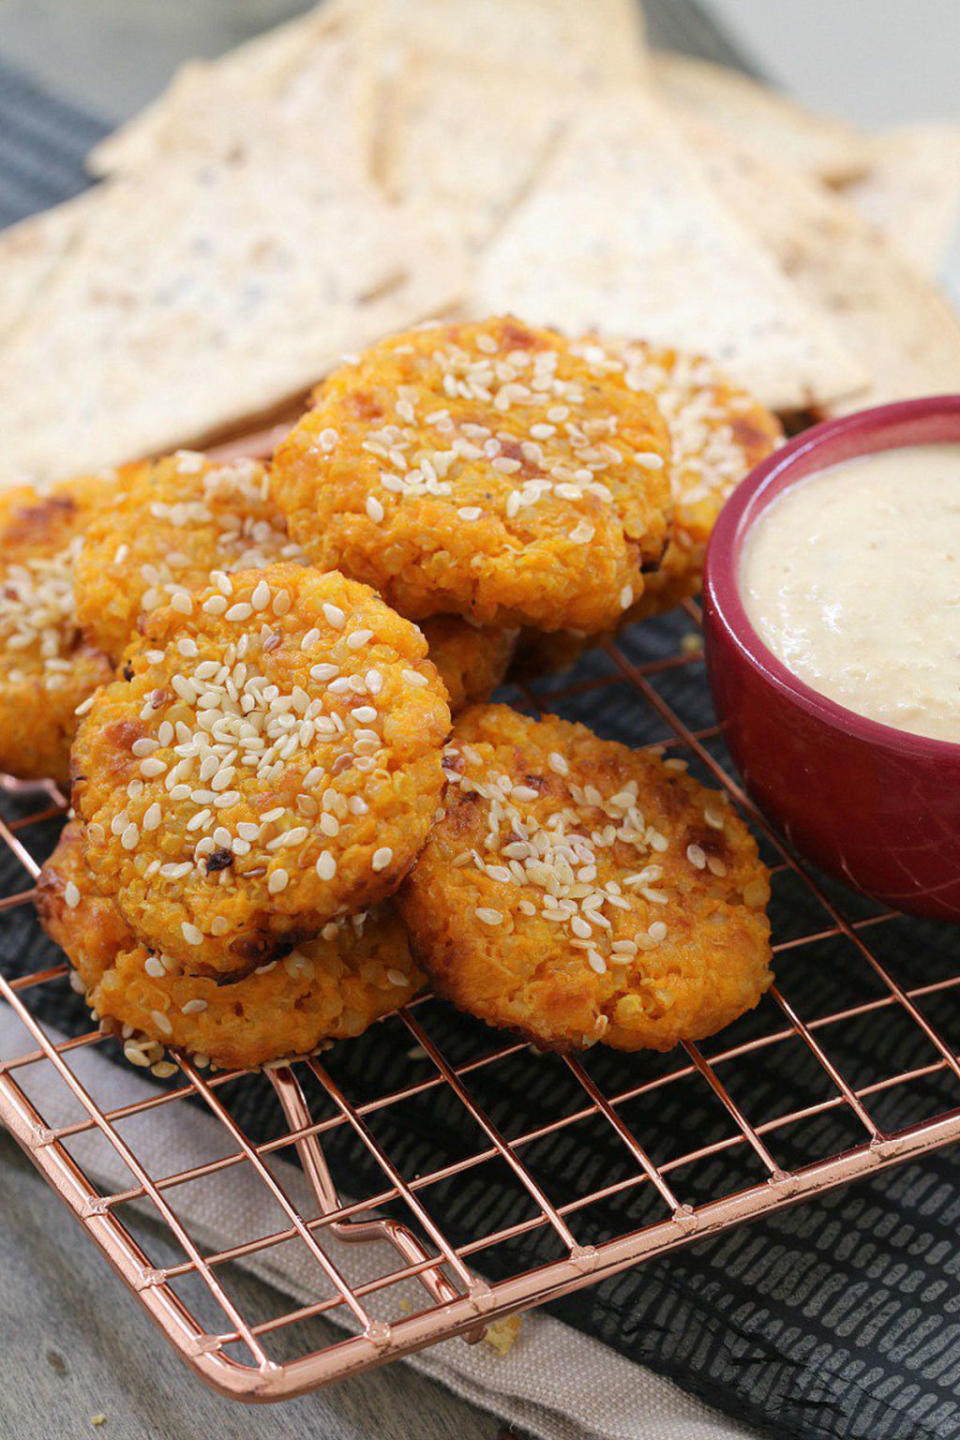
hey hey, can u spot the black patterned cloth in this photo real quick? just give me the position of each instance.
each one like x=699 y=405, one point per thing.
x=836 y=1318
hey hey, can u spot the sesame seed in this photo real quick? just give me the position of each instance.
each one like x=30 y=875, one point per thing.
x=152 y=817
x=326 y=866
x=260 y=598
x=358 y=639
x=657 y=931
x=130 y=837
x=382 y=857
x=278 y=881
x=374 y=509
x=161 y=1022
x=334 y=615
x=413 y=677
x=71 y=895
x=193 y=1007
x=153 y=968
x=697 y=857
x=215 y=605
x=191 y=933
x=397 y=977
x=488 y=916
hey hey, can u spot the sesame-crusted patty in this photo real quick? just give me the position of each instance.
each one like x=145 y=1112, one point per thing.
x=46 y=666
x=472 y=661
x=268 y=762
x=334 y=986
x=718 y=433
x=171 y=523
x=577 y=890
x=484 y=470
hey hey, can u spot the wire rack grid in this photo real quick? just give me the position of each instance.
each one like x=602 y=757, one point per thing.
x=448 y=1148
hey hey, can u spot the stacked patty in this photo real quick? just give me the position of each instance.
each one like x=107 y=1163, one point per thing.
x=273 y=839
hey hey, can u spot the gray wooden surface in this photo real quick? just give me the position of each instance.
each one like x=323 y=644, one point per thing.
x=74 y=1344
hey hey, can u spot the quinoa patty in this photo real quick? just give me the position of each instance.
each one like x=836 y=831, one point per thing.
x=267 y=763
x=172 y=522
x=577 y=890
x=472 y=661
x=46 y=667
x=718 y=433
x=334 y=986
x=484 y=470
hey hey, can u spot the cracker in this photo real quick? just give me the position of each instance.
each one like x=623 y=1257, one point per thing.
x=309 y=82
x=912 y=192
x=885 y=313
x=205 y=293
x=583 y=42
x=30 y=252
x=625 y=233
x=465 y=144
x=743 y=108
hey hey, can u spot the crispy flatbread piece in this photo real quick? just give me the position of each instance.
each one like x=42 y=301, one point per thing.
x=624 y=233
x=886 y=314
x=205 y=293
x=912 y=192
x=743 y=108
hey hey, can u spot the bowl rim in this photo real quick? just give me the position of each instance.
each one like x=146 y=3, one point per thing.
x=721 y=580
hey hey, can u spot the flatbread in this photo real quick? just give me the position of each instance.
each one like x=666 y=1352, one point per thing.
x=472 y=97
x=311 y=72
x=205 y=293
x=886 y=314
x=912 y=192
x=588 y=43
x=464 y=145
x=744 y=109
x=30 y=253
x=625 y=234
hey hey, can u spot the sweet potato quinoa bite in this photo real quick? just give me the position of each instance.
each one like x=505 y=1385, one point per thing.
x=718 y=433
x=46 y=667
x=267 y=763
x=576 y=890
x=170 y=523
x=484 y=470
x=334 y=986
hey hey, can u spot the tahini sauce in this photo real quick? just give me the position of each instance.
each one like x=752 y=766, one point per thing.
x=852 y=578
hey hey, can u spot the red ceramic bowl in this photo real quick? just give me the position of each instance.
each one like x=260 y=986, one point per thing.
x=874 y=806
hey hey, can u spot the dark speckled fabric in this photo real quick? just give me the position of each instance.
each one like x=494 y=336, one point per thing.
x=837 y=1318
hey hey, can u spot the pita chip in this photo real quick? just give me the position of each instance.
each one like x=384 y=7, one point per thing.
x=624 y=233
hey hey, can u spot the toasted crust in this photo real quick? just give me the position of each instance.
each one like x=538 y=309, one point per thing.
x=330 y=693
x=718 y=433
x=329 y=988
x=472 y=661
x=484 y=470
x=539 y=809
x=170 y=524
x=46 y=667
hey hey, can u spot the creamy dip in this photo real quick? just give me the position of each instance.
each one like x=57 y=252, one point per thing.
x=852 y=578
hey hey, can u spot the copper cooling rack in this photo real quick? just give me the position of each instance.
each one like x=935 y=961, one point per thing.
x=647 y=1197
